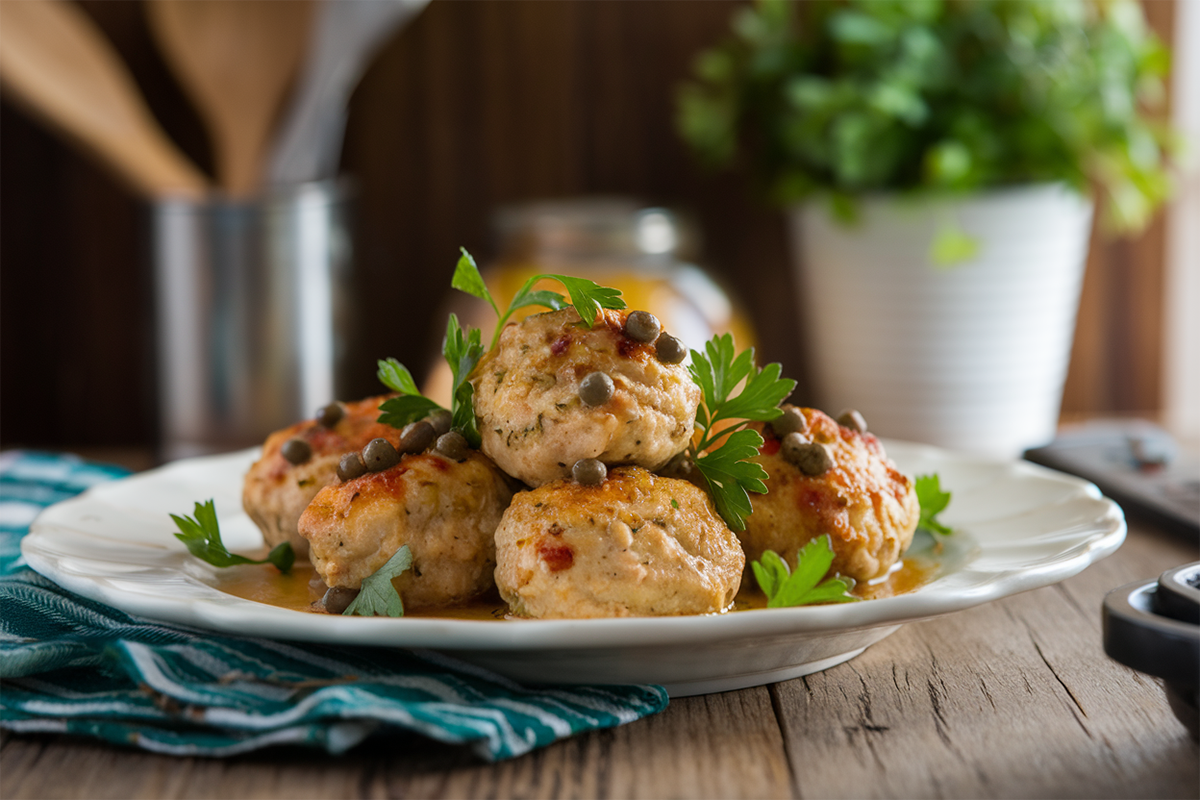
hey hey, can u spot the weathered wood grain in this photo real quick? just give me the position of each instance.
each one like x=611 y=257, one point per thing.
x=1014 y=698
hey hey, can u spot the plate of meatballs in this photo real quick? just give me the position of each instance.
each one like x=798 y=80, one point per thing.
x=573 y=541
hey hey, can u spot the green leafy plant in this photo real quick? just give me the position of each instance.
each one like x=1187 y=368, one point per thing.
x=841 y=98
x=722 y=451
x=802 y=586
x=378 y=597
x=202 y=535
x=933 y=502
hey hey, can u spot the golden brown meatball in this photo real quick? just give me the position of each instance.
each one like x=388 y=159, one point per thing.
x=276 y=492
x=635 y=545
x=867 y=507
x=533 y=422
x=445 y=511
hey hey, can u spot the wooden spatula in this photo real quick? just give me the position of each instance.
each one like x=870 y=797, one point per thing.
x=56 y=62
x=237 y=60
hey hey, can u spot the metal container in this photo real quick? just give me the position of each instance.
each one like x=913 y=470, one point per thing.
x=252 y=313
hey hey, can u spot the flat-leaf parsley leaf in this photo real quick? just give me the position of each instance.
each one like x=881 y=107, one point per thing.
x=933 y=501
x=462 y=349
x=202 y=535
x=588 y=297
x=378 y=597
x=802 y=586
x=723 y=452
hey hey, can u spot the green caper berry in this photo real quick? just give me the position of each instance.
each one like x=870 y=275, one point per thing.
x=453 y=445
x=790 y=421
x=440 y=420
x=350 y=467
x=811 y=458
x=296 y=451
x=338 y=599
x=669 y=350
x=589 y=472
x=330 y=415
x=379 y=455
x=416 y=436
x=850 y=418
x=642 y=326
x=596 y=389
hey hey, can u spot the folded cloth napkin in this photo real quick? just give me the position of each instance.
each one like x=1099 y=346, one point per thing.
x=71 y=665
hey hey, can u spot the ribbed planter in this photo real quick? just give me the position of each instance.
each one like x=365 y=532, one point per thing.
x=970 y=357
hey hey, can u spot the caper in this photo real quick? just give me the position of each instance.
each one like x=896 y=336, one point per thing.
x=440 y=420
x=453 y=445
x=589 y=472
x=850 y=418
x=330 y=415
x=338 y=599
x=416 y=436
x=379 y=455
x=669 y=350
x=350 y=467
x=642 y=326
x=811 y=458
x=296 y=451
x=596 y=389
x=790 y=421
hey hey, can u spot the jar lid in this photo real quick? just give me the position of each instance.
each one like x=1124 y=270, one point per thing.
x=594 y=227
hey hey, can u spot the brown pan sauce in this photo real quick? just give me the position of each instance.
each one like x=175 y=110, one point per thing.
x=265 y=584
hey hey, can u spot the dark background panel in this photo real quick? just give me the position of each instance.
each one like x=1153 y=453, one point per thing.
x=474 y=106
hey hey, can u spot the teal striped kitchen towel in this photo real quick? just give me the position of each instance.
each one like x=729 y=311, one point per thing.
x=71 y=665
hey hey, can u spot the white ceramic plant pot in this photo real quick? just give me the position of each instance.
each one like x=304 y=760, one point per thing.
x=972 y=356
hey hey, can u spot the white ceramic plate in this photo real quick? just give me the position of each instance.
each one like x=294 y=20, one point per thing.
x=1019 y=526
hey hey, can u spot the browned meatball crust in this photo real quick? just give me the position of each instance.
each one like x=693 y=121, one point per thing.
x=445 y=511
x=276 y=492
x=533 y=422
x=868 y=508
x=635 y=545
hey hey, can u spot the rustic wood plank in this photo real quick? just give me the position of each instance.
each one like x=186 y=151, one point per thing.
x=726 y=745
x=1011 y=699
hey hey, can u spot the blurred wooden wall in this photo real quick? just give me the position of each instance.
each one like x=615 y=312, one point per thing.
x=473 y=106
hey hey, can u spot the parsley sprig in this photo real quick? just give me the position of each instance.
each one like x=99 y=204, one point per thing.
x=722 y=452
x=462 y=349
x=463 y=346
x=378 y=597
x=202 y=535
x=933 y=501
x=588 y=297
x=802 y=586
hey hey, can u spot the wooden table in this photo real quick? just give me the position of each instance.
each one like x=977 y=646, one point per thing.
x=1015 y=698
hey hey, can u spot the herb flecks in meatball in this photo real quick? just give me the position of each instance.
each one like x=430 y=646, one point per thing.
x=549 y=411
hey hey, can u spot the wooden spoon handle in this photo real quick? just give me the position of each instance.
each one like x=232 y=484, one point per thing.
x=58 y=63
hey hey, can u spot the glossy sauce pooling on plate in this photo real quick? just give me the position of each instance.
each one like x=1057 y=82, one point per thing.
x=264 y=584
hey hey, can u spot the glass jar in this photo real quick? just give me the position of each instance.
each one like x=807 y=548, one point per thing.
x=645 y=252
